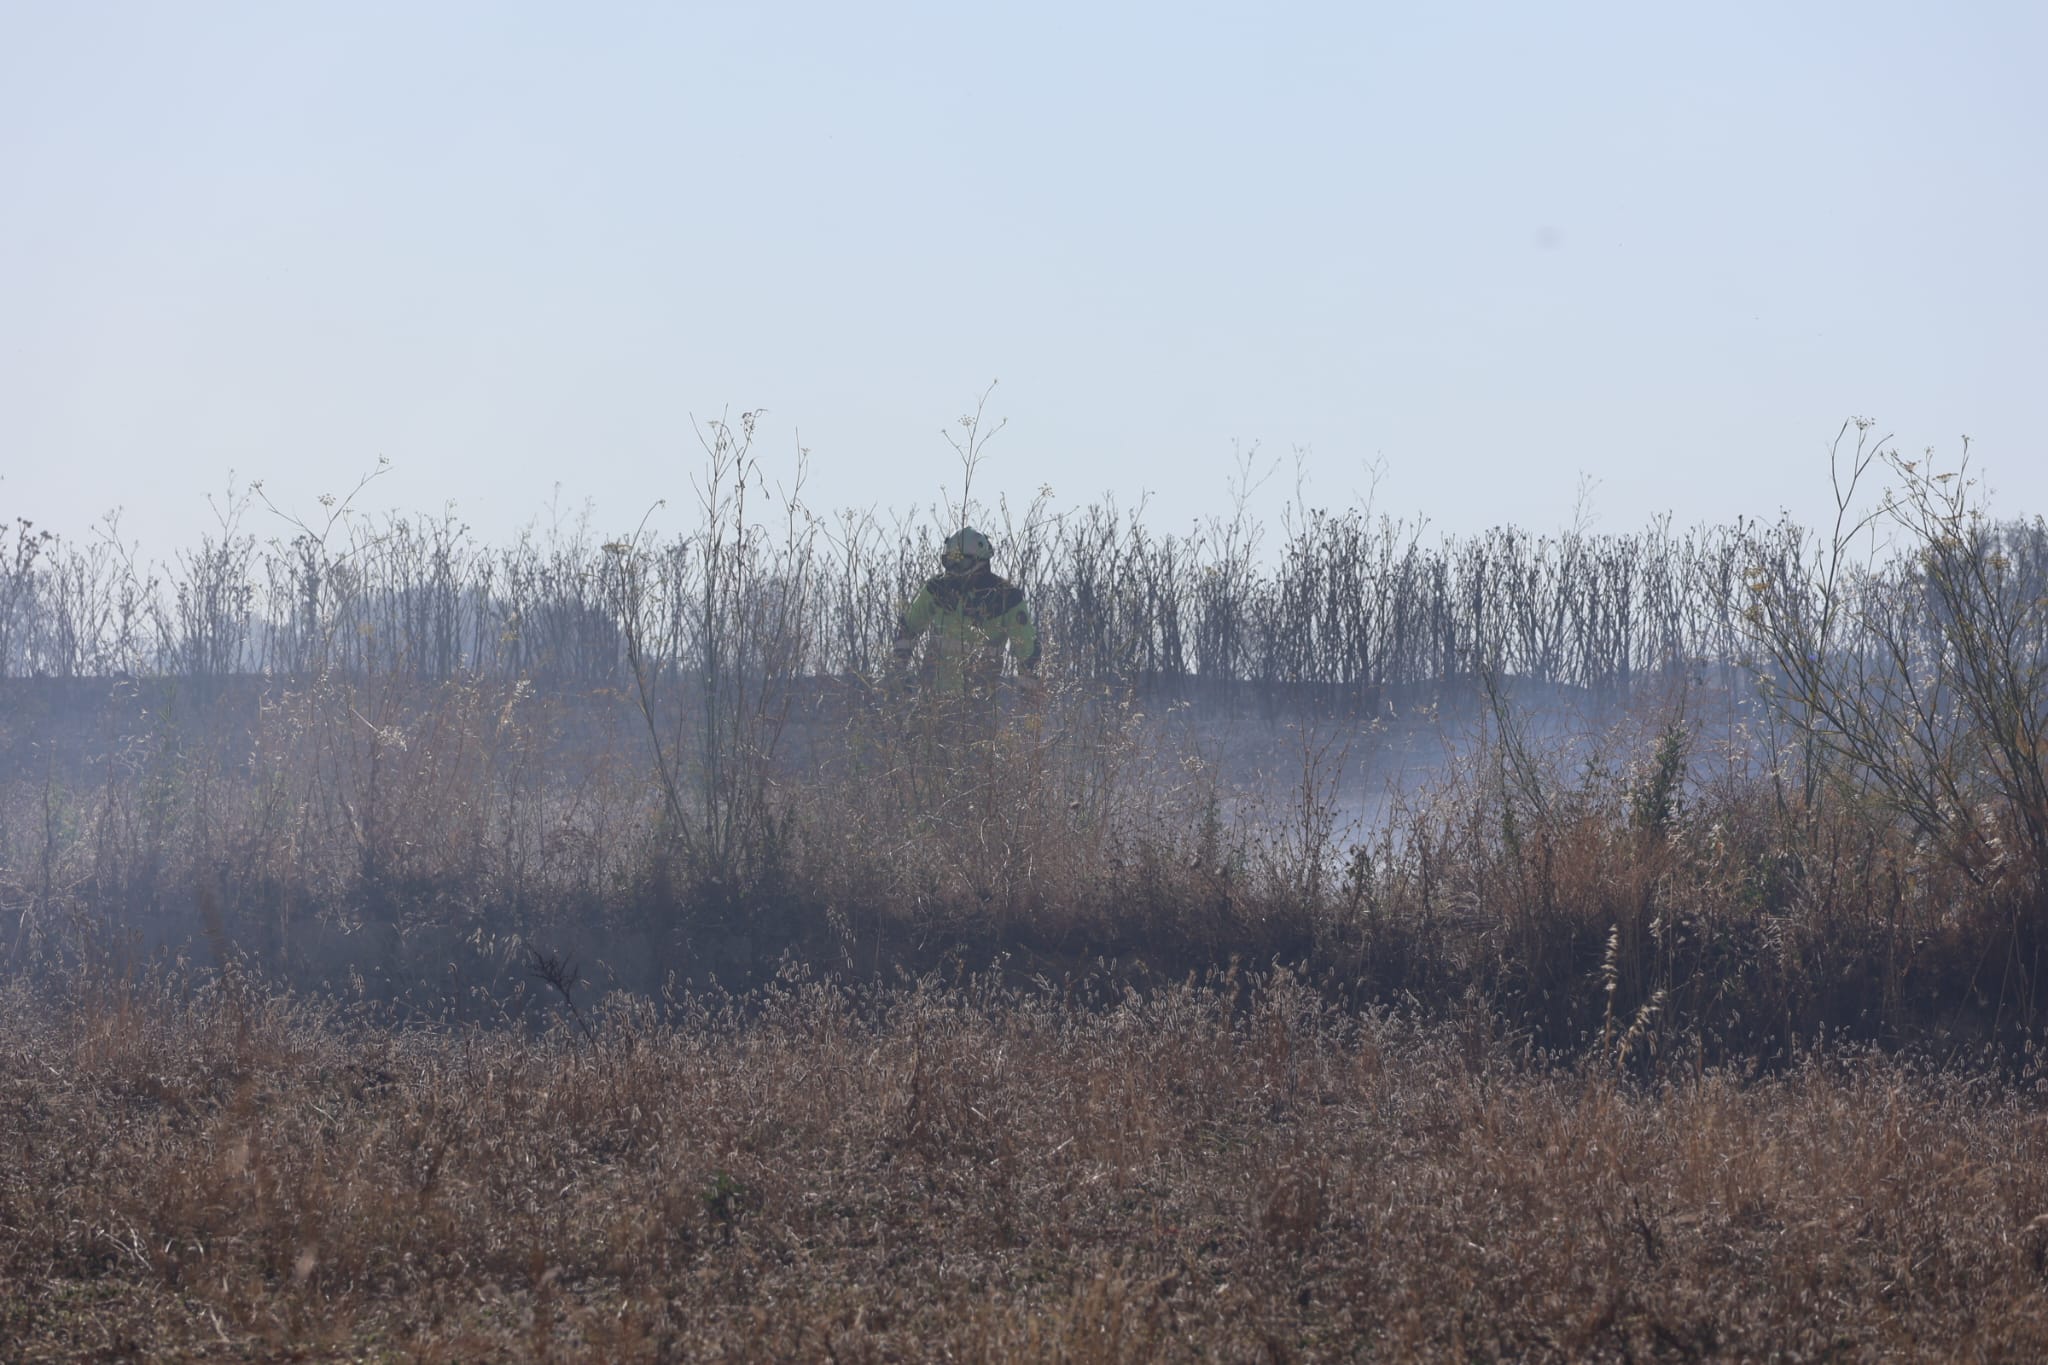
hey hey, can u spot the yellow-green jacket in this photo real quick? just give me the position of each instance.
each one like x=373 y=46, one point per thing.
x=966 y=620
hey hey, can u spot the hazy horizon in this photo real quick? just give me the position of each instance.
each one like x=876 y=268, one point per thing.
x=1499 y=257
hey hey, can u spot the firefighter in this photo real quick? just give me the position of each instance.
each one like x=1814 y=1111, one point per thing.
x=967 y=617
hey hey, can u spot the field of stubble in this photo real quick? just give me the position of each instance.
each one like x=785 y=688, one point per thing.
x=1232 y=1170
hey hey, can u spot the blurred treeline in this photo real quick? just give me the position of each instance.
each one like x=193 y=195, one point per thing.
x=1341 y=603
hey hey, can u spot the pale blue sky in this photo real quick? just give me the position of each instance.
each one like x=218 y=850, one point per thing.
x=515 y=246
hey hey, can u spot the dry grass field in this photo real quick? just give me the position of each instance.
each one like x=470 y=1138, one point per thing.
x=1571 y=948
x=1226 y=1170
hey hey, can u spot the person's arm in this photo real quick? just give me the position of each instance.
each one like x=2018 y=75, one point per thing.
x=1023 y=635
x=912 y=622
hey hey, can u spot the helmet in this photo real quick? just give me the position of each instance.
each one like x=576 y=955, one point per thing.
x=966 y=548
